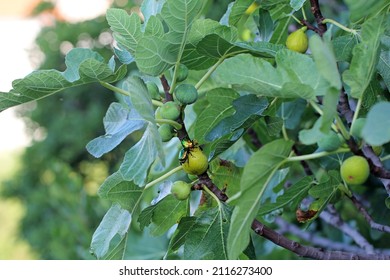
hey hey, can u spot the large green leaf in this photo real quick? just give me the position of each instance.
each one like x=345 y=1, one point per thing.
x=343 y=47
x=244 y=106
x=207 y=239
x=295 y=76
x=360 y=9
x=220 y=106
x=139 y=97
x=384 y=61
x=297 y=4
x=139 y=158
x=154 y=55
x=151 y=8
x=127 y=28
x=116 y=189
x=84 y=66
x=163 y=215
x=204 y=237
x=365 y=56
x=115 y=222
x=376 y=130
x=257 y=174
x=293 y=195
x=226 y=176
x=119 y=122
x=237 y=11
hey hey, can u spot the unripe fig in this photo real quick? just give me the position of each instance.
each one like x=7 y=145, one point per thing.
x=186 y=94
x=298 y=41
x=182 y=73
x=153 y=90
x=170 y=110
x=181 y=190
x=355 y=170
x=166 y=132
x=196 y=162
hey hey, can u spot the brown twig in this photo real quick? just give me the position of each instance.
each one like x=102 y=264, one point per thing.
x=374 y=225
x=315 y=9
x=331 y=217
x=314 y=238
x=166 y=87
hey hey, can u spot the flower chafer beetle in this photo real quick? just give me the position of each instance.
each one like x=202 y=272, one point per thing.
x=188 y=145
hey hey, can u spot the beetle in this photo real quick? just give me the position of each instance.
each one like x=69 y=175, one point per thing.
x=187 y=145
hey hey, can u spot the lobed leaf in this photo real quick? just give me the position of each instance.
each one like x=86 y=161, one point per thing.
x=84 y=66
x=140 y=157
x=376 y=130
x=244 y=106
x=204 y=237
x=163 y=215
x=220 y=106
x=115 y=222
x=365 y=56
x=294 y=77
x=256 y=176
x=127 y=28
x=119 y=122
x=293 y=195
x=125 y=193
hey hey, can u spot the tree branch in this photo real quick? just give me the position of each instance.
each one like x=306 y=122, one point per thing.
x=374 y=225
x=286 y=227
x=335 y=220
x=166 y=87
x=315 y=9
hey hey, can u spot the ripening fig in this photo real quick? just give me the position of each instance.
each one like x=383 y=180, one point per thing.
x=298 y=41
x=181 y=190
x=196 y=162
x=355 y=170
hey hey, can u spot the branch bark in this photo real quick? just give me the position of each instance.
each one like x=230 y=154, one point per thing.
x=367 y=216
x=332 y=218
x=315 y=9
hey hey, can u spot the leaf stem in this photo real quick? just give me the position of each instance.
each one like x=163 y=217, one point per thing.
x=317 y=155
x=209 y=72
x=176 y=125
x=296 y=19
x=163 y=177
x=357 y=110
x=303 y=13
x=212 y=195
x=332 y=21
x=126 y=93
